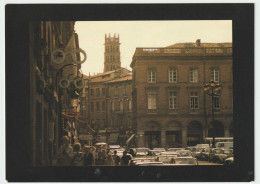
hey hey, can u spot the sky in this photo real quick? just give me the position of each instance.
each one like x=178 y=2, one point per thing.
x=135 y=34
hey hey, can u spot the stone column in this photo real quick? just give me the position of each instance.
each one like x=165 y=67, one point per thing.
x=226 y=132
x=140 y=139
x=163 y=138
x=184 y=136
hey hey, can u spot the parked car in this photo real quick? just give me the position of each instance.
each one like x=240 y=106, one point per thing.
x=223 y=155
x=166 y=159
x=225 y=145
x=185 y=161
x=102 y=145
x=213 y=154
x=139 y=160
x=204 y=155
x=175 y=149
x=141 y=151
x=195 y=152
x=184 y=153
x=156 y=151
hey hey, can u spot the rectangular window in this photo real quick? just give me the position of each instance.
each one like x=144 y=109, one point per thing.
x=107 y=91
x=194 y=75
x=151 y=100
x=116 y=91
x=103 y=106
x=97 y=92
x=97 y=106
x=214 y=75
x=194 y=102
x=103 y=91
x=151 y=76
x=130 y=105
x=92 y=107
x=121 y=106
x=172 y=100
x=173 y=75
x=92 y=92
x=113 y=106
x=216 y=103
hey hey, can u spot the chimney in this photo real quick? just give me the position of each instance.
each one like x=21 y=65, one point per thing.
x=198 y=42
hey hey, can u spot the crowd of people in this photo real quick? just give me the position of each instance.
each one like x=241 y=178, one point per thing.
x=77 y=155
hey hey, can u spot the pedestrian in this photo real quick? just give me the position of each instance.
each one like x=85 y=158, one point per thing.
x=78 y=157
x=125 y=159
x=65 y=152
x=94 y=153
x=116 y=158
x=109 y=161
x=132 y=152
x=99 y=160
x=104 y=154
x=88 y=156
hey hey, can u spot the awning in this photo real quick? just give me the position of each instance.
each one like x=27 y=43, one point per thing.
x=78 y=120
x=113 y=137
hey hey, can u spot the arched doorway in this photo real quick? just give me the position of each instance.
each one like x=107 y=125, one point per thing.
x=173 y=134
x=194 y=133
x=152 y=134
x=219 y=130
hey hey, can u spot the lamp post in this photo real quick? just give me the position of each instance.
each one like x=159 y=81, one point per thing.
x=212 y=89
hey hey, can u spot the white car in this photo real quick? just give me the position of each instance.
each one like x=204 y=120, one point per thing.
x=141 y=151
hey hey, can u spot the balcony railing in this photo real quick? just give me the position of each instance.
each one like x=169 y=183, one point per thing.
x=191 y=51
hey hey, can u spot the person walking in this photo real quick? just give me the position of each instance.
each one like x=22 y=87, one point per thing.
x=125 y=159
x=109 y=160
x=116 y=158
x=88 y=156
x=99 y=160
x=78 y=157
x=65 y=152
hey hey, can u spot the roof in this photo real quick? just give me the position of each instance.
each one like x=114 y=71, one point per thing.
x=121 y=79
x=192 y=44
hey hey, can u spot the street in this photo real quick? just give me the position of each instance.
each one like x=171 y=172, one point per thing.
x=208 y=163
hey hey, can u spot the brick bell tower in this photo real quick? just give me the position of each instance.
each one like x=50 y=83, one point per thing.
x=112 y=53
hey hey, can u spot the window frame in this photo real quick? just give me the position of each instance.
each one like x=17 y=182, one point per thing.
x=174 y=99
x=151 y=102
x=151 y=75
x=214 y=102
x=192 y=75
x=213 y=76
x=171 y=75
x=194 y=98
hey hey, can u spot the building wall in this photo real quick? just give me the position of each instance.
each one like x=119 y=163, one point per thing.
x=45 y=104
x=178 y=121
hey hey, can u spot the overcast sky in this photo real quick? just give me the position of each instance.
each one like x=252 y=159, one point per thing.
x=144 y=34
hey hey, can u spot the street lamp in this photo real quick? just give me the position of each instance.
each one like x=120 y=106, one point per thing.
x=213 y=89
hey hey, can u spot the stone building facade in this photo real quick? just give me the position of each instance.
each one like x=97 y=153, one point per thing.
x=170 y=107
x=48 y=100
x=107 y=97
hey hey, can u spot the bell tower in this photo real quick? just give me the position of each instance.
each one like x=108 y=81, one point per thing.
x=112 y=53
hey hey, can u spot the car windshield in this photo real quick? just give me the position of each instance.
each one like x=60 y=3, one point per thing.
x=185 y=161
